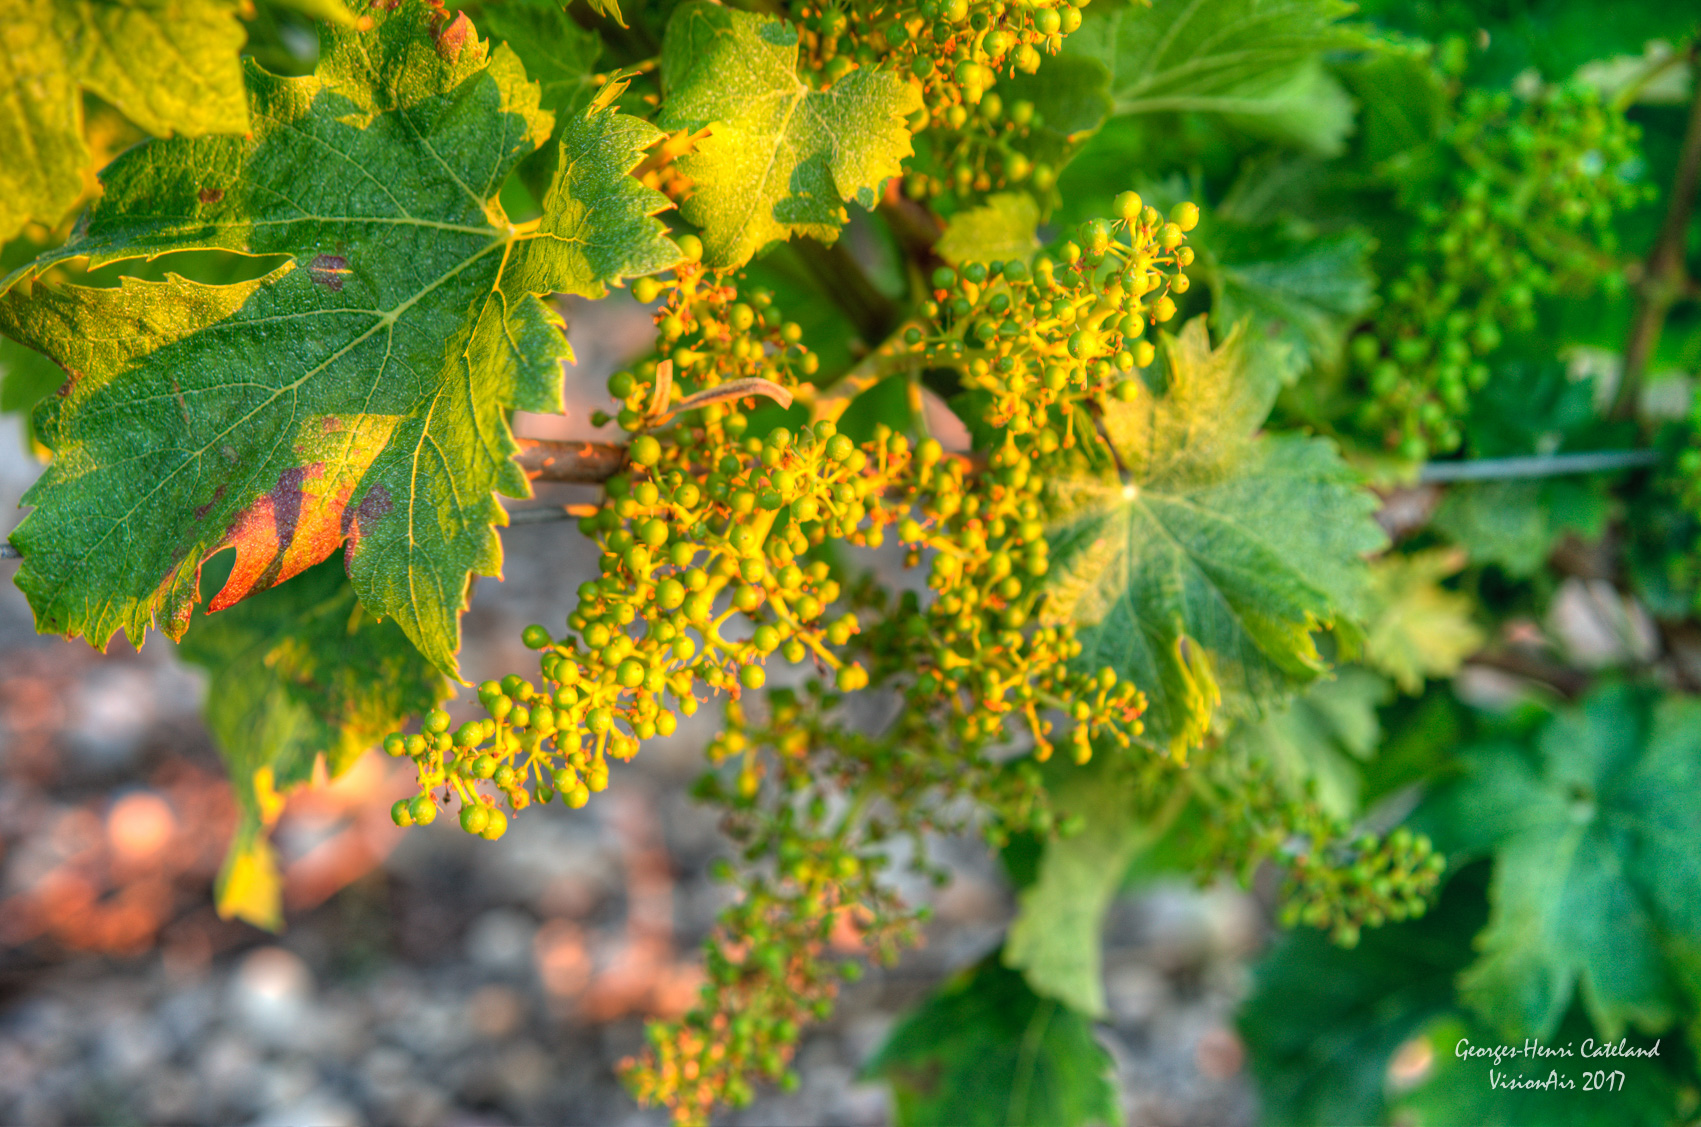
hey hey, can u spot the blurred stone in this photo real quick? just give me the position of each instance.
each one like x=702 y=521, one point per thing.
x=1219 y=1053
x=110 y=712
x=286 y=1083
x=500 y=941
x=1135 y=992
x=271 y=996
x=172 y=1096
x=970 y=900
x=138 y=826
x=523 y=1071
x=1178 y=929
x=864 y=1034
x=185 y=1014
x=229 y=1068
x=1600 y=628
x=341 y=1030
x=495 y=1011
x=320 y=1109
x=430 y=1027
x=131 y=1045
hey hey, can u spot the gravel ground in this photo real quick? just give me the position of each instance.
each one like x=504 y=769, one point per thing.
x=426 y=978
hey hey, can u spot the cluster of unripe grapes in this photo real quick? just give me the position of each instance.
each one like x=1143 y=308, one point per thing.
x=704 y=575
x=808 y=883
x=1334 y=881
x=954 y=49
x=982 y=654
x=1385 y=879
x=976 y=663
x=1540 y=180
x=1042 y=339
x=985 y=148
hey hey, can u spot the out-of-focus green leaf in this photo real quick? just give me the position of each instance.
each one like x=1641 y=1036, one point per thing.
x=1310 y=111
x=1402 y=103
x=1212 y=56
x=559 y=55
x=986 y=1051
x=331 y=11
x=1002 y=229
x=1597 y=881
x=1418 y=628
x=297 y=672
x=1314 y=746
x=1515 y=524
x=1554 y=37
x=1055 y=940
x=1302 y=290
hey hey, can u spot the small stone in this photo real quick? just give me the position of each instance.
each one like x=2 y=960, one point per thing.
x=271 y=996
x=500 y=941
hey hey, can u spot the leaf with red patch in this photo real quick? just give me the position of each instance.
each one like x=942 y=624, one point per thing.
x=355 y=396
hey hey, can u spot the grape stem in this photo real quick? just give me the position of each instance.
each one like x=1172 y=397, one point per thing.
x=586 y=463
x=1663 y=279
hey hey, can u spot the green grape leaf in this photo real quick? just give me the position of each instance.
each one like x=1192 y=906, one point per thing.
x=1597 y=883
x=1315 y=745
x=355 y=396
x=1070 y=95
x=1310 y=110
x=1515 y=524
x=1323 y=1022
x=608 y=8
x=1055 y=940
x=1206 y=574
x=560 y=56
x=1211 y=56
x=1418 y=628
x=986 y=1051
x=298 y=672
x=1403 y=103
x=780 y=158
x=1001 y=229
x=1300 y=290
x=168 y=69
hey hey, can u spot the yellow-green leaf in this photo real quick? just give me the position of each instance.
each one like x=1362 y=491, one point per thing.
x=170 y=67
x=1000 y=230
x=1417 y=628
x=781 y=157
